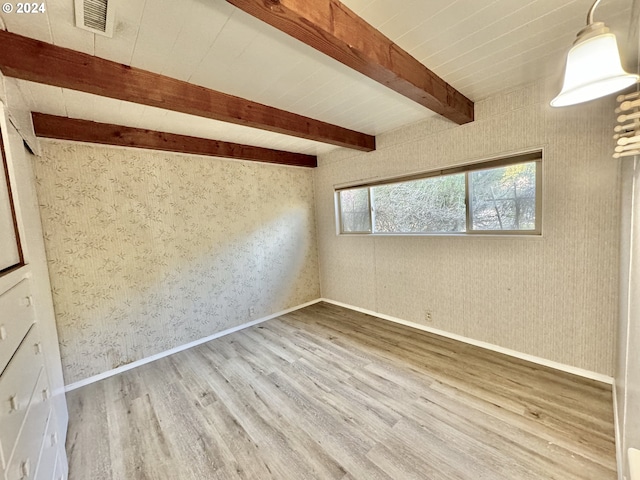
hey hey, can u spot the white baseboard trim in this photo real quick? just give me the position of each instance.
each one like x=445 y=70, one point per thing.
x=523 y=356
x=489 y=346
x=166 y=353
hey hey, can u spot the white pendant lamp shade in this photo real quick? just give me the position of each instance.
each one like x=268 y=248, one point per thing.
x=593 y=70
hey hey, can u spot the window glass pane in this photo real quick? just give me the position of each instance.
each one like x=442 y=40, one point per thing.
x=354 y=210
x=430 y=205
x=503 y=198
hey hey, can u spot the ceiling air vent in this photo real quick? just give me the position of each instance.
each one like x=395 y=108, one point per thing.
x=95 y=16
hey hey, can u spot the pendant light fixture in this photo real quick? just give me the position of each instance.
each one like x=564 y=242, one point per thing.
x=593 y=66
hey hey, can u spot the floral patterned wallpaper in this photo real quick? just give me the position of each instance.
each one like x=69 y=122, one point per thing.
x=148 y=250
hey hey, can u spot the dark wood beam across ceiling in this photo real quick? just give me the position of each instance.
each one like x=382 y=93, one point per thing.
x=36 y=61
x=62 y=128
x=333 y=29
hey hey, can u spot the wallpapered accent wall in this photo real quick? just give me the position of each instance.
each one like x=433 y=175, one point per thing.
x=554 y=296
x=148 y=251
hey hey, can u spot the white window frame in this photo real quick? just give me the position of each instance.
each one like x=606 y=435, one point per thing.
x=534 y=156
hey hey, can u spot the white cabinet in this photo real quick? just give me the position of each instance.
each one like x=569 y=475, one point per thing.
x=23 y=463
x=48 y=453
x=16 y=317
x=19 y=383
x=33 y=413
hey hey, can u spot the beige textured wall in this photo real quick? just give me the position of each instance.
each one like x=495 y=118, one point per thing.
x=556 y=296
x=148 y=251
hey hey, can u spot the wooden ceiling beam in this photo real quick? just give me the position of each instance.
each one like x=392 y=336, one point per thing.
x=333 y=29
x=62 y=128
x=36 y=61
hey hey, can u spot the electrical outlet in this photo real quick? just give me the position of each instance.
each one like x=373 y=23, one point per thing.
x=252 y=311
x=427 y=316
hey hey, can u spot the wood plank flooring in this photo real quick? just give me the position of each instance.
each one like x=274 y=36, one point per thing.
x=328 y=393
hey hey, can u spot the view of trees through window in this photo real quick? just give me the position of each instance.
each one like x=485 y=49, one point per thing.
x=355 y=212
x=430 y=205
x=504 y=198
x=499 y=199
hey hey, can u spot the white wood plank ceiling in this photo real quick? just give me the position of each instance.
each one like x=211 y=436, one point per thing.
x=480 y=47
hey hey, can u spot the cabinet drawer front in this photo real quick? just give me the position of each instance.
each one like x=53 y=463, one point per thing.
x=57 y=474
x=20 y=386
x=24 y=461
x=48 y=454
x=16 y=316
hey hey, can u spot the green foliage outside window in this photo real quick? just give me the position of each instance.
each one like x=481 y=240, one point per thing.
x=503 y=198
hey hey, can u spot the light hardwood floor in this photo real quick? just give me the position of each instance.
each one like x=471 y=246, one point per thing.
x=328 y=393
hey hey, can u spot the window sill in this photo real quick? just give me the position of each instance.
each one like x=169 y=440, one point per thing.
x=437 y=235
